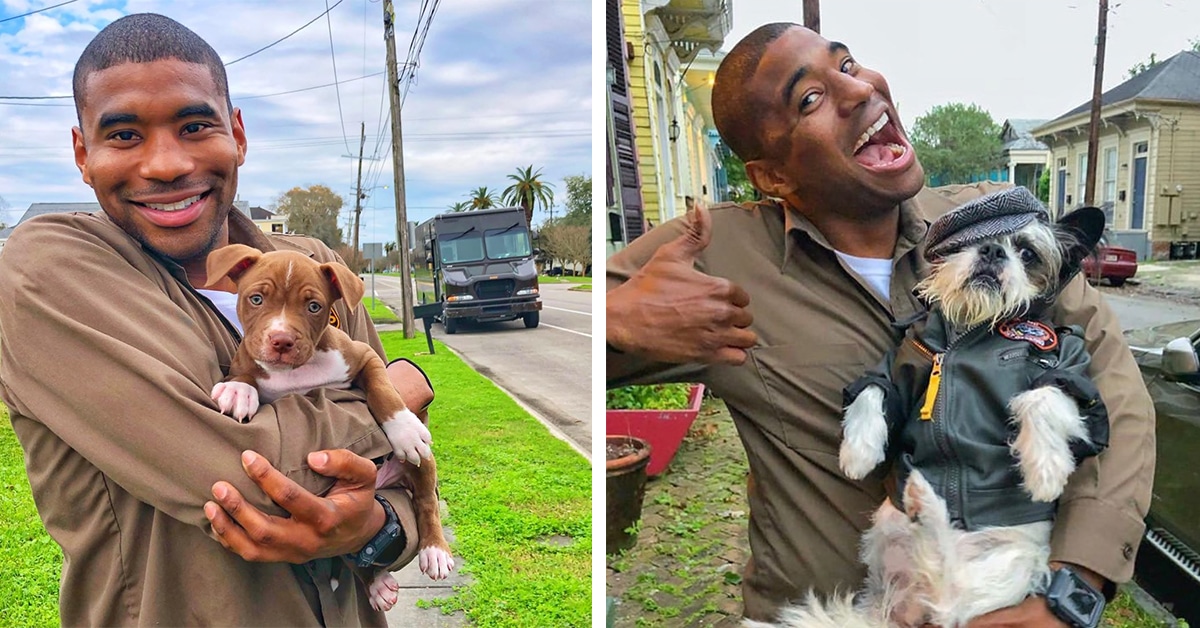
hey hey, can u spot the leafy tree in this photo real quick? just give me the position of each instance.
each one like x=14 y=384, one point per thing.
x=579 y=200
x=1043 y=186
x=1142 y=66
x=460 y=206
x=955 y=141
x=313 y=211
x=570 y=243
x=482 y=198
x=740 y=188
x=527 y=191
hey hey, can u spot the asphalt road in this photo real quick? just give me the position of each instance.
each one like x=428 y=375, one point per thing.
x=548 y=369
x=1138 y=311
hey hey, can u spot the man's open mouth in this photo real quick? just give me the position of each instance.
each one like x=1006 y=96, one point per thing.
x=176 y=206
x=881 y=144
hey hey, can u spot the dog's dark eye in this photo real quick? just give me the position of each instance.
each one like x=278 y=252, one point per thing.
x=314 y=307
x=1028 y=256
x=255 y=299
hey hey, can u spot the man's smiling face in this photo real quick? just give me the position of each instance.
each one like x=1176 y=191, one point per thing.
x=160 y=148
x=831 y=133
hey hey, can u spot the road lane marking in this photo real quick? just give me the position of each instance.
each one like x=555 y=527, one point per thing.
x=564 y=329
x=563 y=309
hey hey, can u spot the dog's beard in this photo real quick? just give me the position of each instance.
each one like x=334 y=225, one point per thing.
x=971 y=290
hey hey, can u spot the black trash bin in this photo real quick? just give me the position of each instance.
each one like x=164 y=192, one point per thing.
x=1189 y=250
x=1176 y=250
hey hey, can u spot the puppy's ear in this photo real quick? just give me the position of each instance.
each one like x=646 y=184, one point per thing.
x=1084 y=228
x=345 y=283
x=230 y=261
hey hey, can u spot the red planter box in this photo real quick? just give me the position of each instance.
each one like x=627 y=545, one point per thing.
x=663 y=429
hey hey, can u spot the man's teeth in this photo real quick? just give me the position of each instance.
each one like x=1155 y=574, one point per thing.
x=173 y=207
x=870 y=132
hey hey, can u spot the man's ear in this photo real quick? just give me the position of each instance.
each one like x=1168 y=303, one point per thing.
x=229 y=261
x=768 y=178
x=80 y=150
x=345 y=283
x=239 y=134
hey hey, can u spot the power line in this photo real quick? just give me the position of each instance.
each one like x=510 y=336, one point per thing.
x=233 y=97
x=306 y=25
x=54 y=6
x=336 y=89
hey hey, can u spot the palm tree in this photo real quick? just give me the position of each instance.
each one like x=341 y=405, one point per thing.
x=483 y=198
x=461 y=206
x=528 y=191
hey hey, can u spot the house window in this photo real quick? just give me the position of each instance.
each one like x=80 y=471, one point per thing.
x=276 y=228
x=1110 y=175
x=1081 y=180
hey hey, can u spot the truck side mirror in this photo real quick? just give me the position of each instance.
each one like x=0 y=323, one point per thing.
x=1179 y=361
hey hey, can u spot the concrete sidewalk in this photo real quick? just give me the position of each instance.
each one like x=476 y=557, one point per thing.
x=415 y=586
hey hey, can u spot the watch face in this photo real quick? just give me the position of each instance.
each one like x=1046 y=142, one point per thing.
x=1083 y=602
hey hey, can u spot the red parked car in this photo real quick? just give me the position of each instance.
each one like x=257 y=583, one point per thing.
x=1111 y=262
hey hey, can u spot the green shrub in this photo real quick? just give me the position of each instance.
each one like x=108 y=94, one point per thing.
x=656 y=397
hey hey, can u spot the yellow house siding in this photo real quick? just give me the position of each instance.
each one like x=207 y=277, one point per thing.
x=1178 y=157
x=635 y=34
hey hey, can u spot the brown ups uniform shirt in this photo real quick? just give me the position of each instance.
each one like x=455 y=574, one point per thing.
x=106 y=364
x=819 y=327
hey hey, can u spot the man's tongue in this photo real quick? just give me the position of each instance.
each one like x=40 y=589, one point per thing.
x=875 y=155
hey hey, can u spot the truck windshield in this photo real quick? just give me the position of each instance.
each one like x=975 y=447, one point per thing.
x=458 y=248
x=507 y=243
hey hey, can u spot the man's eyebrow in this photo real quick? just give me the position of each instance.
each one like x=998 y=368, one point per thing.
x=837 y=46
x=791 y=84
x=200 y=110
x=113 y=119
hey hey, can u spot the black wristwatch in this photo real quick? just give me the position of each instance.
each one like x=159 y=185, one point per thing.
x=1074 y=600
x=387 y=535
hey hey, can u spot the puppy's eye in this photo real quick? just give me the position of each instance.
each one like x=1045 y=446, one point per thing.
x=314 y=307
x=1028 y=256
x=255 y=299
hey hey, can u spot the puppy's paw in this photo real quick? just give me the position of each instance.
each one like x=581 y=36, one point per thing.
x=435 y=562
x=409 y=437
x=383 y=590
x=864 y=434
x=1047 y=421
x=921 y=502
x=237 y=399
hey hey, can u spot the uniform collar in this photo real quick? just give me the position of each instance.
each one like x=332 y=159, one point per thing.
x=914 y=222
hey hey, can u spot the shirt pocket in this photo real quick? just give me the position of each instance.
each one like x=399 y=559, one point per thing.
x=803 y=384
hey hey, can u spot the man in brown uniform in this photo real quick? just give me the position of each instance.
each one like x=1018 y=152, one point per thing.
x=169 y=512
x=776 y=306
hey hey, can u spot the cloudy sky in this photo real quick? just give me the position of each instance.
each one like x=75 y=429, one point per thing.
x=1014 y=58
x=498 y=86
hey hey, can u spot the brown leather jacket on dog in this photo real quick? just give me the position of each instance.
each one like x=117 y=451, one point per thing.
x=819 y=327
x=106 y=364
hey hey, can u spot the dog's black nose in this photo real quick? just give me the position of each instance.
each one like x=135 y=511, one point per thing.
x=992 y=252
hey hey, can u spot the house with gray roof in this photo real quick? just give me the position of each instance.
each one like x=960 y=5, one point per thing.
x=1024 y=155
x=1148 y=166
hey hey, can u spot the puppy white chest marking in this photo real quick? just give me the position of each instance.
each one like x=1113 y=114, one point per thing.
x=326 y=369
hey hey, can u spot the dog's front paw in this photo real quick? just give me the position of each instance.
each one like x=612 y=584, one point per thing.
x=864 y=434
x=435 y=562
x=409 y=437
x=1047 y=421
x=237 y=399
x=383 y=590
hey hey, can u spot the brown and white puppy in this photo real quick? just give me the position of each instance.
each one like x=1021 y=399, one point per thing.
x=284 y=300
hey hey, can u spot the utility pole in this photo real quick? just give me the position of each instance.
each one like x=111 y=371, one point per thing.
x=1089 y=194
x=358 y=193
x=812 y=15
x=406 y=288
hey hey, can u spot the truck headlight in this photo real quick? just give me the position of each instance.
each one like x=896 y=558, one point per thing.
x=526 y=291
x=460 y=297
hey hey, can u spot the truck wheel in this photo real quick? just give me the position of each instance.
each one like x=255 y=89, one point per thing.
x=531 y=319
x=451 y=325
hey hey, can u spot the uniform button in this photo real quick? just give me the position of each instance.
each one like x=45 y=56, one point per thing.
x=1127 y=551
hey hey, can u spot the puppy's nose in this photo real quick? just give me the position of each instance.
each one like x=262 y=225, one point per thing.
x=282 y=342
x=992 y=252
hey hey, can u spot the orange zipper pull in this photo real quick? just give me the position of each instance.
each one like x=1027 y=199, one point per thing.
x=935 y=380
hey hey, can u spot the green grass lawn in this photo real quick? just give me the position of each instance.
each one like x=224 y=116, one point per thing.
x=549 y=279
x=519 y=500
x=379 y=312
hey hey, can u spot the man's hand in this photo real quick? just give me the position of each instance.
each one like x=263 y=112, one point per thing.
x=1032 y=613
x=319 y=527
x=670 y=312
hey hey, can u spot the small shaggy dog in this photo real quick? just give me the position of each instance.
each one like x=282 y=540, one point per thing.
x=984 y=411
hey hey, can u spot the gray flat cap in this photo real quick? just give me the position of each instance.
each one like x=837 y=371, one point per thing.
x=996 y=214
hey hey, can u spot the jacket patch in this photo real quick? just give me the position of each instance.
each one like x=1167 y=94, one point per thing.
x=1033 y=332
x=334 y=320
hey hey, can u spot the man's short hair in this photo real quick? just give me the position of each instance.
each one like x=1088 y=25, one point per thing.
x=736 y=113
x=143 y=38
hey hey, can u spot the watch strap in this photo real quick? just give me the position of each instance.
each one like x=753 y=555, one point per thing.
x=1062 y=596
x=388 y=534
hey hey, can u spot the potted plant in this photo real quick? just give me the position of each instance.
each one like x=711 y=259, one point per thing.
x=626 y=458
x=660 y=414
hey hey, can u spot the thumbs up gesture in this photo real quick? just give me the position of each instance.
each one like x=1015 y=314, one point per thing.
x=670 y=312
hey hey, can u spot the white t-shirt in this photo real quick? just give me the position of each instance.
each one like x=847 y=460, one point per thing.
x=226 y=303
x=877 y=272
